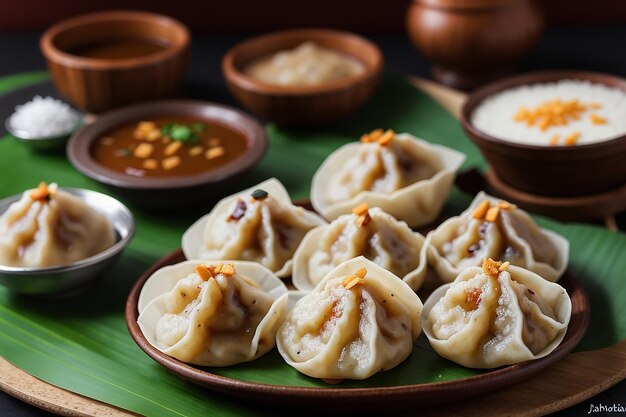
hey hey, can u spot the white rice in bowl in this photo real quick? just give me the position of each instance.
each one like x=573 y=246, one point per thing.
x=562 y=113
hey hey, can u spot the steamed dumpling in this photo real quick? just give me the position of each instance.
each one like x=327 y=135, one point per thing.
x=372 y=233
x=382 y=165
x=496 y=315
x=260 y=224
x=49 y=227
x=359 y=320
x=492 y=228
x=405 y=176
x=215 y=316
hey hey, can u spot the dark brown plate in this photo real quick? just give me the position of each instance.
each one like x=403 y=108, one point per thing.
x=362 y=399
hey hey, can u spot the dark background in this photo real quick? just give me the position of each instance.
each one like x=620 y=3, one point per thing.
x=235 y=16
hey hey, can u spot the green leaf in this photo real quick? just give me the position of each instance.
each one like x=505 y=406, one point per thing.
x=82 y=344
x=167 y=129
x=180 y=132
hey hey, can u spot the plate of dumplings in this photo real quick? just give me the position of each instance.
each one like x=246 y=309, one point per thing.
x=353 y=308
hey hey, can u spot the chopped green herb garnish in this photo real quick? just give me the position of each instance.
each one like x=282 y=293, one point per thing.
x=183 y=133
x=259 y=194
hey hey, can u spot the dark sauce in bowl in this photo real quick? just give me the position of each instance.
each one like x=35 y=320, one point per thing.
x=211 y=148
x=119 y=48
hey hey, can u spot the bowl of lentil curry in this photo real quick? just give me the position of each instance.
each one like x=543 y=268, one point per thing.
x=168 y=154
x=567 y=164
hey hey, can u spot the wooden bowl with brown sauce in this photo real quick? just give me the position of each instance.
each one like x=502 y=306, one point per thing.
x=104 y=60
x=169 y=154
x=290 y=97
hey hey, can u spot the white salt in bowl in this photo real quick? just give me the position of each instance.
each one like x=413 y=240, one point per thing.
x=583 y=169
x=43 y=124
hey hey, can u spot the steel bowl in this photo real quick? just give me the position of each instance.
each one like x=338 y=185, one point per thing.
x=67 y=280
x=42 y=144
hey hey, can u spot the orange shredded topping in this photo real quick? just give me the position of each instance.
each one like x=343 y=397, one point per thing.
x=487 y=212
x=481 y=210
x=43 y=191
x=504 y=266
x=554 y=140
x=366 y=138
x=551 y=113
x=597 y=119
x=492 y=214
x=203 y=272
x=361 y=209
x=363 y=220
x=372 y=136
x=558 y=113
x=386 y=138
x=378 y=135
x=572 y=138
x=228 y=270
x=347 y=279
x=505 y=205
x=352 y=280
x=492 y=268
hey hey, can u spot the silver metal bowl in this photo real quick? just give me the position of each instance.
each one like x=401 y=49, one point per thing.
x=42 y=144
x=67 y=280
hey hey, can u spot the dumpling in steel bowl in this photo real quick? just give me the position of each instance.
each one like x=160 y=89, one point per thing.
x=216 y=314
x=492 y=228
x=372 y=233
x=407 y=177
x=260 y=224
x=50 y=227
x=359 y=320
x=496 y=315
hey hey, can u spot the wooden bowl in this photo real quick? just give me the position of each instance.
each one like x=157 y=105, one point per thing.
x=175 y=192
x=557 y=171
x=303 y=105
x=473 y=41
x=95 y=84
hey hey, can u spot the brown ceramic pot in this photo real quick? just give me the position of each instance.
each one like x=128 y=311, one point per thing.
x=98 y=84
x=473 y=41
x=557 y=171
x=303 y=105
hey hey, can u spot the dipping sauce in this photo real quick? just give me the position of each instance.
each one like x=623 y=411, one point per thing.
x=308 y=64
x=119 y=48
x=562 y=113
x=168 y=146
